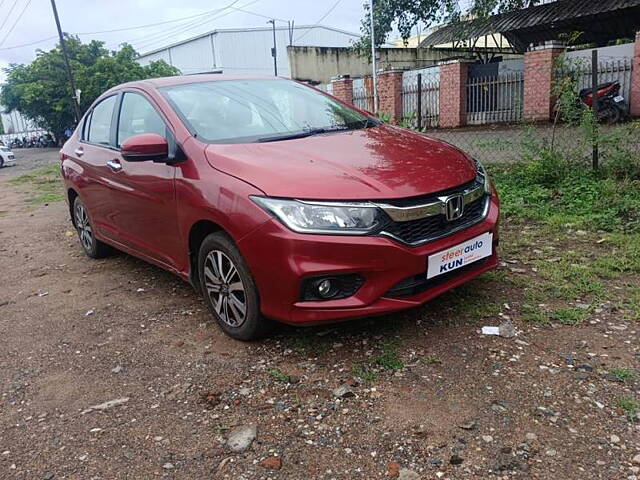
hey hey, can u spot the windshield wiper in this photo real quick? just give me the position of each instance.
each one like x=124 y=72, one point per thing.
x=305 y=133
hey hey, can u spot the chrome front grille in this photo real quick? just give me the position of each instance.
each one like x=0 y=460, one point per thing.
x=426 y=219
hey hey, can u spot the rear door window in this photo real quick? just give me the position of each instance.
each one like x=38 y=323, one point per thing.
x=100 y=126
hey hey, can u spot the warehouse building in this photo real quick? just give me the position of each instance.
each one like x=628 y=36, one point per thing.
x=246 y=51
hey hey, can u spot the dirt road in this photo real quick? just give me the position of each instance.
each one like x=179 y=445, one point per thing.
x=424 y=395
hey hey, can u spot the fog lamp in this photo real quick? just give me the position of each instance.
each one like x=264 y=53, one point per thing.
x=324 y=288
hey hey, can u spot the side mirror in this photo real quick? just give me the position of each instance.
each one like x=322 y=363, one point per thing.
x=145 y=147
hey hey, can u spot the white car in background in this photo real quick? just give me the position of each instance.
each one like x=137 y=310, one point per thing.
x=7 y=158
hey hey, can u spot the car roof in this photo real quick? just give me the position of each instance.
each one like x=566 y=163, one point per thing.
x=185 y=79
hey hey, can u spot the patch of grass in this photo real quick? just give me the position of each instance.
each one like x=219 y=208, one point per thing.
x=569 y=316
x=495 y=144
x=569 y=280
x=633 y=304
x=364 y=371
x=550 y=190
x=534 y=314
x=308 y=342
x=431 y=360
x=623 y=374
x=279 y=375
x=44 y=185
x=630 y=407
x=472 y=299
x=390 y=357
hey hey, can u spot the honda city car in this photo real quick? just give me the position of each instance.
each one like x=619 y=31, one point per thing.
x=277 y=201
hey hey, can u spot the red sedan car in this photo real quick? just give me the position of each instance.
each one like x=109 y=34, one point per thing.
x=277 y=201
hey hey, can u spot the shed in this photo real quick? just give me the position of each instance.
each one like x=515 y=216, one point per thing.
x=596 y=21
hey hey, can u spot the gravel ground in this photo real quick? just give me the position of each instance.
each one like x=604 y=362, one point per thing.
x=112 y=369
x=28 y=159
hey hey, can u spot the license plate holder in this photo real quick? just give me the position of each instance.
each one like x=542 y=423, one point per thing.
x=460 y=255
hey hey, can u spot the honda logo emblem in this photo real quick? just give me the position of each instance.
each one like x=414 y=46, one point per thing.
x=454 y=207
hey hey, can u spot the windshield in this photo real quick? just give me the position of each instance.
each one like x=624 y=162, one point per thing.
x=4 y=149
x=245 y=111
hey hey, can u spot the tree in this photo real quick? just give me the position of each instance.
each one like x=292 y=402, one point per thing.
x=41 y=91
x=406 y=14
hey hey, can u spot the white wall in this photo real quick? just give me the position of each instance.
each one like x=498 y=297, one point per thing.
x=605 y=53
x=245 y=51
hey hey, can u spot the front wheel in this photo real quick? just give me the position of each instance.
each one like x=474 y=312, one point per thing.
x=229 y=290
x=93 y=247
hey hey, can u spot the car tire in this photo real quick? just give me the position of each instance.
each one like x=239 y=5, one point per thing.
x=93 y=247
x=1 y=162
x=229 y=290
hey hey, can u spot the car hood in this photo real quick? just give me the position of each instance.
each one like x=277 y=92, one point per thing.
x=374 y=163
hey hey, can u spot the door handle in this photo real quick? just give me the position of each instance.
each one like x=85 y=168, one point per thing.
x=114 y=165
x=79 y=151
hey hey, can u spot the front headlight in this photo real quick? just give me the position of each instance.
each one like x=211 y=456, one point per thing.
x=488 y=186
x=324 y=217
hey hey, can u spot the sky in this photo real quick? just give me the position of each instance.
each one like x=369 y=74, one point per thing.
x=27 y=21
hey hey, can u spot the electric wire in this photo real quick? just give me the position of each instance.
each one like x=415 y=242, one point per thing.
x=16 y=22
x=333 y=7
x=6 y=19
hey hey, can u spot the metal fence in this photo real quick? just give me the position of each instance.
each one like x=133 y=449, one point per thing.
x=363 y=98
x=421 y=101
x=495 y=99
x=608 y=71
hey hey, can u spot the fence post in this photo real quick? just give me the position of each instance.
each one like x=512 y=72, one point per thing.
x=594 y=107
x=419 y=102
x=635 y=80
x=343 y=88
x=390 y=92
x=538 y=81
x=453 y=97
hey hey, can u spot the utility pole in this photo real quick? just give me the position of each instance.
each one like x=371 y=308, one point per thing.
x=63 y=47
x=373 y=61
x=274 y=52
x=594 y=107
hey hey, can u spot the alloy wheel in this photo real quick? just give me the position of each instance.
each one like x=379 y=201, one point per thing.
x=225 y=288
x=84 y=227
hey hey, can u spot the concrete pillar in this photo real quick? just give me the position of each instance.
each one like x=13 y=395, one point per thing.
x=453 y=94
x=635 y=80
x=343 y=88
x=539 y=66
x=390 y=93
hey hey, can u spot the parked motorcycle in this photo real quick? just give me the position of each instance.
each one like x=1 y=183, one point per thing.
x=612 y=107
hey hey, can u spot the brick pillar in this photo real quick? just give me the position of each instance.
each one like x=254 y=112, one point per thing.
x=390 y=93
x=538 y=82
x=453 y=94
x=343 y=88
x=635 y=80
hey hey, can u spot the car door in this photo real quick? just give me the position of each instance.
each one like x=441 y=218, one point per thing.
x=91 y=155
x=144 y=192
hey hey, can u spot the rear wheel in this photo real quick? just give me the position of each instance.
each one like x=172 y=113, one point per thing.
x=229 y=290
x=610 y=114
x=93 y=247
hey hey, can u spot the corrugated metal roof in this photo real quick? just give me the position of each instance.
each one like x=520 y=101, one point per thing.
x=599 y=20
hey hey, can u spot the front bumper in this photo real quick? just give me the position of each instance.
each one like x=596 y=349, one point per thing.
x=280 y=259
